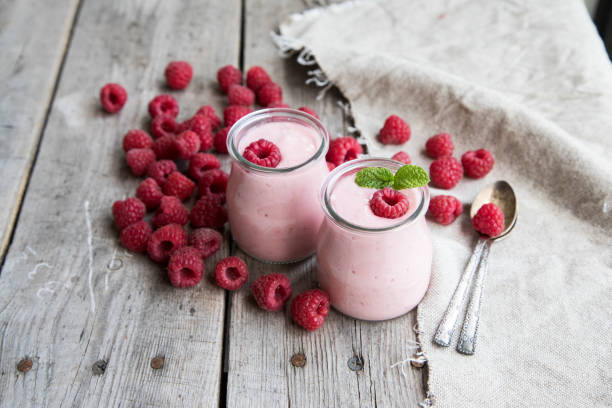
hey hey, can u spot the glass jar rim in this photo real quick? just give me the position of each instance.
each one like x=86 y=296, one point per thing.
x=366 y=161
x=293 y=115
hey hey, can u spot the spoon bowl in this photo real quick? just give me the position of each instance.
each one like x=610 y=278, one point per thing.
x=501 y=194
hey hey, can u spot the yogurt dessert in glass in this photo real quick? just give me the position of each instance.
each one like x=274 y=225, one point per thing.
x=373 y=268
x=274 y=212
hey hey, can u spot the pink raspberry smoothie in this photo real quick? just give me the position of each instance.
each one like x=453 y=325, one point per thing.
x=274 y=213
x=373 y=268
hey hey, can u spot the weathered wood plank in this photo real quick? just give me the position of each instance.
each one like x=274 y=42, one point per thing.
x=261 y=343
x=33 y=38
x=69 y=295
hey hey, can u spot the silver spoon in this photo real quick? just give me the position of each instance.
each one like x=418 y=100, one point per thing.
x=501 y=194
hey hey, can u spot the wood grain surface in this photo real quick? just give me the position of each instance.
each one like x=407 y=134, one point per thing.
x=33 y=38
x=94 y=319
x=70 y=296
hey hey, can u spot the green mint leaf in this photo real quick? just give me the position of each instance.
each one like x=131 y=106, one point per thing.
x=410 y=176
x=374 y=177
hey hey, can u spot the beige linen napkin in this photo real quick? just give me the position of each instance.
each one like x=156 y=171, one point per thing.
x=530 y=81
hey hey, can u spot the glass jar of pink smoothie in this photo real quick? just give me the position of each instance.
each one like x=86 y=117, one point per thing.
x=373 y=268
x=274 y=213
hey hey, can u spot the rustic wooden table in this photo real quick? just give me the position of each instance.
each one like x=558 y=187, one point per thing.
x=90 y=316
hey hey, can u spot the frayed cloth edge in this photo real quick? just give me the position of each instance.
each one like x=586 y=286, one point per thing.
x=289 y=47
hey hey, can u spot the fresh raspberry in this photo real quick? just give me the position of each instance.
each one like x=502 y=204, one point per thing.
x=269 y=94
x=209 y=112
x=477 y=164
x=197 y=123
x=150 y=193
x=256 y=77
x=206 y=141
x=179 y=185
x=309 y=309
x=164 y=125
x=165 y=148
x=201 y=163
x=445 y=172
x=213 y=182
x=163 y=105
x=206 y=240
x=444 y=209
x=185 y=268
x=271 y=291
x=232 y=113
x=136 y=139
x=187 y=144
x=201 y=125
x=171 y=211
x=209 y=212
x=439 y=145
x=160 y=170
x=113 y=97
x=178 y=74
x=263 y=153
x=394 y=131
x=389 y=203
x=489 y=220
x=220 y=141
x=331 y=166
x=343 y=149
x=402 y=156
x=165 y=241
x=278 y=105
x=309 y=111
x=240 y=95
x=128 y=211
x=231 y=273
x=139 y=160
x=135 y=237
x=228 y=76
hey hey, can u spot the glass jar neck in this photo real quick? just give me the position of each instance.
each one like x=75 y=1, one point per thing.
x=242 y=126
x=353 y=166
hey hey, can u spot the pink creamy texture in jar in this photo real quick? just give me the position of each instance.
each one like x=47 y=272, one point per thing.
x=373 y=268
x=274 y=213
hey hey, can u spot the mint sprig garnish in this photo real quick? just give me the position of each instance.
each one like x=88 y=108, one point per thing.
x=408 y=176
x=374 y=177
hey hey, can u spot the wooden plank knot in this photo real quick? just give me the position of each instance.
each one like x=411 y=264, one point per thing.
x=355 y=363
x=99 y=367
x=298 y=360
x=157 y=362
x=24 y=365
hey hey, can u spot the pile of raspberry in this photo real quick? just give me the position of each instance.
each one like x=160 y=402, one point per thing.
x=183 y=187
x=446 y=172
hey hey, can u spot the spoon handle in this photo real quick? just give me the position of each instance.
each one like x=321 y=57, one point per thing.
x=446 y=328
x=467 y=338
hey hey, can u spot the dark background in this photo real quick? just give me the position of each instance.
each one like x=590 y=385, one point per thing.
x=602 y=16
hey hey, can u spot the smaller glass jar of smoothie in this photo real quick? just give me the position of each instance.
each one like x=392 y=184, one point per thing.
x=372 y=267
x=274 y=212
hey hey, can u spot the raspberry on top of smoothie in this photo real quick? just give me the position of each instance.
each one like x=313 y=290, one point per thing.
x=389 y=203
x=263 y=153
x=293 y=142
x=375 y=195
